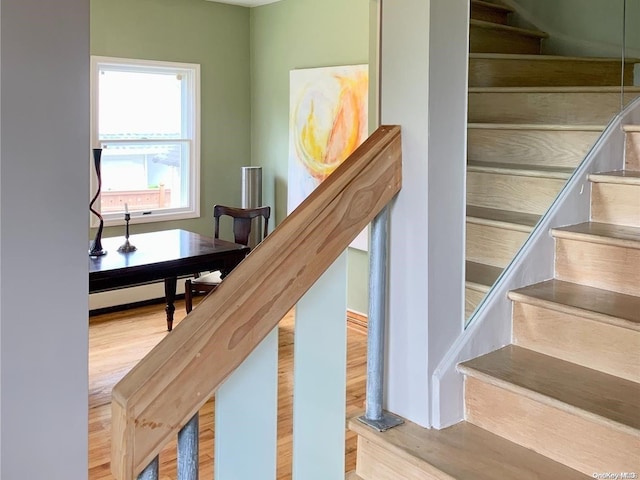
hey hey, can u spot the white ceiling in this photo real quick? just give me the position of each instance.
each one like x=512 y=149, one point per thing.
x=246 y=3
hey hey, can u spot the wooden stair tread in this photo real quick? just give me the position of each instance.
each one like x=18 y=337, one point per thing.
x=538 y=89
x=563 y=385
x=523 y=222
x=622 y=177
x=507 y=28
x=462 y=452
x=540 y=171
x=481 y=276
x=582 y=301
x=535 y=126
x=603 y=233
x=559 y=58
x=493 y=6
x=631 y=128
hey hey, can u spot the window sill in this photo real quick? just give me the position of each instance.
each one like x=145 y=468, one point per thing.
x=138 y=218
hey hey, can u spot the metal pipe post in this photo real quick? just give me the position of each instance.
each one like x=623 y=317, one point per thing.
x=151 y=472
x=188 y=450
x=378 y=259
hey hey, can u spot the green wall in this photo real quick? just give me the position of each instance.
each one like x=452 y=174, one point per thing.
x=288 y=35
x=245 y=57
x=214 y=35
x=294 y=34
x=583 y=27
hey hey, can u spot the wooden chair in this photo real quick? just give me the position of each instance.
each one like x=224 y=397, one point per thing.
x=242 y=220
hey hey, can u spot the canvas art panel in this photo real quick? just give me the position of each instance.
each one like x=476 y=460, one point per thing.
x=328 y=120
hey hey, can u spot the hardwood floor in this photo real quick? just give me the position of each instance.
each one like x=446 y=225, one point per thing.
x=118 y=340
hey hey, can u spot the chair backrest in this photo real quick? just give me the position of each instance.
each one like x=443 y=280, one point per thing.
x=242 y=220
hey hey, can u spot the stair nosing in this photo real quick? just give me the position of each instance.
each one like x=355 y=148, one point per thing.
x=518 y=170
x=566 y=233
x=508 y=28
x=617 y=178
x=535 y=126
x=538 y=89
x=494 y=6
x=481 y=287
x=537 y=57
x=495 y=222
x=545 y=399
x=529 y=299
x=516 y=227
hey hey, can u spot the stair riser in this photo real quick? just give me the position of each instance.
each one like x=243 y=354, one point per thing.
x=562 y=148
x=593 y=344
x=472 y=299
x=378 y=463
x=488 y=14
x=585 y=444
x=596 y=265
x=492 y=245
x=632 y=156
x=486 y=40
x=498 y=72
x=614 y=203
x=577 y=108
x=511 y=192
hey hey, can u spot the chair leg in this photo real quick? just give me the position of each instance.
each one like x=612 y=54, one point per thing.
x=188 y=299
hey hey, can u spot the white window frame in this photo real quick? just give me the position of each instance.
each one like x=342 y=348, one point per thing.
x=191 y=73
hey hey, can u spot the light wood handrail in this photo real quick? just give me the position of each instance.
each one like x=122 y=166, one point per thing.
x=160 y=394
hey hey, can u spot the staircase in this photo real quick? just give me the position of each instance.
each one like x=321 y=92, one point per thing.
x=532 y=119
x=561 y=401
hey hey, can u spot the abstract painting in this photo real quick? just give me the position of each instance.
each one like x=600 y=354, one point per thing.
x=327 y=121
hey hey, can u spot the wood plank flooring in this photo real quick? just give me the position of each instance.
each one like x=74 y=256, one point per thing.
x=117 y=341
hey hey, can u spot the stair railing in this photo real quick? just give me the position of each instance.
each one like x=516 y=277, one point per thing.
x=161 y=396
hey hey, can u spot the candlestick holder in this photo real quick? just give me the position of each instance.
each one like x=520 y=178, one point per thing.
x=126 y=247
x=96 y=249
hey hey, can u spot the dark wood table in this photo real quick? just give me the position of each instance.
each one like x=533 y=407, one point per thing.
x=164 y=255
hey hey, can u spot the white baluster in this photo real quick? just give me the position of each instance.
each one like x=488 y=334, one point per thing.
x=246 y=417
x=320 y=378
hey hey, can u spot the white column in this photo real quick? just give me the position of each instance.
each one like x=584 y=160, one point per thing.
x=405 y=101
x=423 y=89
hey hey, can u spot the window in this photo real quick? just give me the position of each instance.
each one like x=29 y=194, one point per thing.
x=146 y=118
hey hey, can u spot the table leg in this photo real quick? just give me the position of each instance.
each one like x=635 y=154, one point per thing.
x=170 y=296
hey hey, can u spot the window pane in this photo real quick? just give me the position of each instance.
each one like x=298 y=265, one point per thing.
x=147 y=176
x=139 y=105
x=145 y=116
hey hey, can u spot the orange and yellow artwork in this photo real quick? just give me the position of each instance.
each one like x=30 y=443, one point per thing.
x=327 y=122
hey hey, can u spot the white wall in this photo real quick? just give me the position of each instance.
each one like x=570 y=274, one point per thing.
x=44 y=167
x=582 y=27
x=404 y=87
x=448 y=60
x=423 y=85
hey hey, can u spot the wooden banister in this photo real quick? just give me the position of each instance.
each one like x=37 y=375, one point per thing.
x=160 y=394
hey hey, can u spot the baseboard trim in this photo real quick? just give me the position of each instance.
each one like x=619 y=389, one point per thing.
x=357 y=320
x=129 y=306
